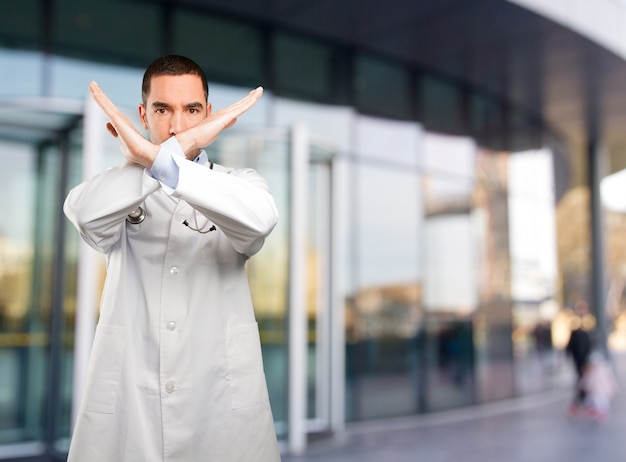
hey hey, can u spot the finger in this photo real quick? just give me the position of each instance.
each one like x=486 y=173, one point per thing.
x=98 y=95
x=257 y=92
x=244 y=104
x=118 y=121
x=103 y=101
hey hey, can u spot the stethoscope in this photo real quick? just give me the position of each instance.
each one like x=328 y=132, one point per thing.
x=197 y=228
x=139 y=214
x=136 y=216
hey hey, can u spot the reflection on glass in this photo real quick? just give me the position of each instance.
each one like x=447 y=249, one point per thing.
x=450 y=270
x=384 y=312
x=492 y=320
x=534 y=281
x=21 y=341
x=35 y=366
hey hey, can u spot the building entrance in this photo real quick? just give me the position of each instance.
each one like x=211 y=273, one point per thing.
x=39 y=151
x=50 y=283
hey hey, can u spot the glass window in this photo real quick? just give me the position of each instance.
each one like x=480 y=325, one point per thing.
x=387 y=140
x=330 y=122
x=302 y=68
x=382 y=88
x=486 y=121
x=451 y=262
x=493 y=318
x=35 y=357
x=449 y=300
x=21 y=73
x=116 y=30
x=22 y=358
x=534 y=281
x=70 y=78
x=450 y=156
x=229 y=51
x=441 y=108
x=384 y=312
x=20 y=24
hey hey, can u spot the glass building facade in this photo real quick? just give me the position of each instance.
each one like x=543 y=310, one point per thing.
x=423 y=258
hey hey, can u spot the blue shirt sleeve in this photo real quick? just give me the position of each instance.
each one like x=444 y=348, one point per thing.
x=164 y=167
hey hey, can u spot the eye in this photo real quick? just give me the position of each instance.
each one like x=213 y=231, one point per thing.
x=161 y=111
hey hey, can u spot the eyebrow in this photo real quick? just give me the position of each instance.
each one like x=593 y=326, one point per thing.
x=195 y=105
x=161 y=105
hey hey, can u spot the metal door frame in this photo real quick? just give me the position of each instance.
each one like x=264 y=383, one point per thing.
x=330 y=374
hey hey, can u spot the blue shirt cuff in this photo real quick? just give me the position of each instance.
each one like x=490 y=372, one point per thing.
x=164 y=167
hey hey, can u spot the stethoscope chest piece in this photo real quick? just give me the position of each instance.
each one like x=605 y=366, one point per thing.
x=136 y=216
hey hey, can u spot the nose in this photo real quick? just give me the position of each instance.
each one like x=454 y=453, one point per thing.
x=176 y=124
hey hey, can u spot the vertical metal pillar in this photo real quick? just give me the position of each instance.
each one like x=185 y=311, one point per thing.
x=595 y=163
x=298 y=320
x=57 y=316
x=339 y=230
x=88 y=260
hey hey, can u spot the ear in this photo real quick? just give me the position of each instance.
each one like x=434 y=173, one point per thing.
x=142 y=116
x=209 y=108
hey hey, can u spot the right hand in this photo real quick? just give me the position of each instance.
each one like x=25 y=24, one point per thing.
x=135 y=147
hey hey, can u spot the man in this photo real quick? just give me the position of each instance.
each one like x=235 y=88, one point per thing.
x=579 y=347
x=176 y=370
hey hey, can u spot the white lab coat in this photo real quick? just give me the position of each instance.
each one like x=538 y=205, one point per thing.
x=176 y=371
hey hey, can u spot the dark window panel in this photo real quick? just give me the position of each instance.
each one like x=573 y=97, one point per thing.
x=229 y=51
x=302 y=68
x=382 y=88
x=441 y=108
x=487 y=121
x=20 y=24
x=108 y=30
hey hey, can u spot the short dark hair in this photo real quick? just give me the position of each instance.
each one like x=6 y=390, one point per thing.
x=172 y=65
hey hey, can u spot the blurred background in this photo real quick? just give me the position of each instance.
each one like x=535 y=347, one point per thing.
x=447 y=174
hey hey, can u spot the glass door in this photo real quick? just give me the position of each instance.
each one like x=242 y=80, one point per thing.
x=38 y=150
x=313 y=347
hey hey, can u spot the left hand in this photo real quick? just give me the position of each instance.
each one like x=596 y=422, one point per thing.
x=207 y=131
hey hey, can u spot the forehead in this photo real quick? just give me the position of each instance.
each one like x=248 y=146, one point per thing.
x=176 y=88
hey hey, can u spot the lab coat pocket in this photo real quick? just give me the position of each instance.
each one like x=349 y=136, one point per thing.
x=105 y=368
x=246 y=379
x=217 y=249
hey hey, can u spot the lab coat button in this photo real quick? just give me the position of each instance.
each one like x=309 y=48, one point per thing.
x=169 y=387
x=171 y=325
x=174 y=270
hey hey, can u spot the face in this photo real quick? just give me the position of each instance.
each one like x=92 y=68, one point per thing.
x=175 y=103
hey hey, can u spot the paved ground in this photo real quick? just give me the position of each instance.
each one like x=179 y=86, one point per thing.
x=530 y=429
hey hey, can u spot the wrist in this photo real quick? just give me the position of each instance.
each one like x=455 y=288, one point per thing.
x=150 y=155
x=187 y=143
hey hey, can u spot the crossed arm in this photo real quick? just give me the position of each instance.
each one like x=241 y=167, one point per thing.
x=137 y=149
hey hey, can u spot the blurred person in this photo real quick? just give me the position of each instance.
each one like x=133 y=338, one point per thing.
x=542 y=334
x=599 y=385
x=579 y=348
x=176 y=370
